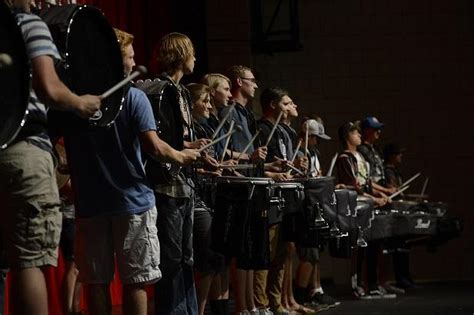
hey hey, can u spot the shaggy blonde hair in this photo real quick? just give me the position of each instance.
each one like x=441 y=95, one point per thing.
x=124 y=39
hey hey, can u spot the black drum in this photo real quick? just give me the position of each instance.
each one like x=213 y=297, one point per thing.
x=92 y=61
x=14 y=77
x=288 y=211
x=240 y=223
x=319 y=207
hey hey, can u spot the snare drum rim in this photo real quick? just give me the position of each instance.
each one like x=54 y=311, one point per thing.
x=244 y=180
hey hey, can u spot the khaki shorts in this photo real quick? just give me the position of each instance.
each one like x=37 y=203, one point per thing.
x=29 y=206
x=132 y=238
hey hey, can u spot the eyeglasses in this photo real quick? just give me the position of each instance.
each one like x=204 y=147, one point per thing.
x=250 y=79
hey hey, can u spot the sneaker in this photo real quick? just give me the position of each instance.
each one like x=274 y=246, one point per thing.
x=264 y=311
x=377 y=294
x=315 y=306
x=393 y=289
x=358 y=292
x=324 y=299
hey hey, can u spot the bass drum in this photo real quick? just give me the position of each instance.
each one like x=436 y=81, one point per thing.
x=15 y=77
x=92 y=61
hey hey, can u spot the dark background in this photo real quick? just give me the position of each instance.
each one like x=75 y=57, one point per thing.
x=408 y=62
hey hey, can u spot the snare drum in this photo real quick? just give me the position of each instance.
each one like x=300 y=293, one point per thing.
x=240 y=224
x=288 y=211
x=15 y=77
x=92 y=61
x=319 y=204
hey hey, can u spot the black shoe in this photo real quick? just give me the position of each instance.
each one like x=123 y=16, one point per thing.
x=324 y=299
x=377 y=294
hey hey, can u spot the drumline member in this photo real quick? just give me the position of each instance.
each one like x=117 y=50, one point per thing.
x=308 y=289
x=27 y=180
x=371 y=129
x=243 y=91
x=268 y=283
x=214 y=278
x=219 y=90
x=352 y=172
x=393 y=178
x=175 y=293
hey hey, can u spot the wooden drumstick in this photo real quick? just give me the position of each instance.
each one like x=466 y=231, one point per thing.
x=295 y=154
x=333 y=163
x=248 y=145
x=139 y=70
x=236 y=129
x=306 y=136
x=227 y=141
x=425 y=184
x=222 y=122
x=398 y=192
x=274 y=128
x=410 y=180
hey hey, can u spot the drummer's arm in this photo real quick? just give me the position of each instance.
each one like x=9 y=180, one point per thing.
x=54 y=93
x=161 y=151
x=379 y=188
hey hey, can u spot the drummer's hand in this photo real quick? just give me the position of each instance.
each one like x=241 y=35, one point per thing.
x=302 y=163
x=278 y=165
x=278 y=177
x=340 y=186
x=391 y=190
x=202 y=171
x=230 y=162
x=87 y=105
x=380 y=202
x=209 y=162
x=260 y=154
x=199 y=143
x=189 y=156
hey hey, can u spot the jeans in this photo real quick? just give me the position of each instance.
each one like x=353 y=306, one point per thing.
x=175 y=292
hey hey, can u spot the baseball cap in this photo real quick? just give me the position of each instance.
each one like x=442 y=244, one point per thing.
x=346 y=128
x=315 y=128
x=371 y=122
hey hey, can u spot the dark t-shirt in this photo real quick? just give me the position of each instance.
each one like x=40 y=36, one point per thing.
x=105 y=164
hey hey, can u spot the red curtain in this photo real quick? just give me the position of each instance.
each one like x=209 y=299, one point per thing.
x=147 y=20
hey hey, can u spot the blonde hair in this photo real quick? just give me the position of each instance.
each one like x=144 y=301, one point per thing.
x=125 y=39
x=173 y=51
x=237 y=71
x=213 y=80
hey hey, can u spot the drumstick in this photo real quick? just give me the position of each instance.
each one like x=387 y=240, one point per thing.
x=248 y=145
x=139 y=70
x=236 y=129
x=333 y=163
x=424 y=187
x=274 y=128
x=410 y=180
x=296 y=151
x=306 y=136
x=227 y=141
x=295 y=154
x=237 y=167
x=398 y=192
x=222 y=122
x=295 y=169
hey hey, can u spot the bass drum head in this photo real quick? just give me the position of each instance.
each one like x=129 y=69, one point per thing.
x=92 y=57
x=14 y=77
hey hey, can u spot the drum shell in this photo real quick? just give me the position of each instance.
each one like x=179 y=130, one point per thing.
x=15 y=78
x=240 y=224
x=91 y=62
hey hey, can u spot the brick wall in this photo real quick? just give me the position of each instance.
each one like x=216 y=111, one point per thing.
x=408 y=62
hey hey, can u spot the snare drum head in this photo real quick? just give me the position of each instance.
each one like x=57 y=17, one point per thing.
x=244 y=180
x=14 y=77
x=92 y=57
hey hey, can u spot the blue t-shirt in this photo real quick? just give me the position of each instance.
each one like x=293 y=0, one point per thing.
x=105 y=164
